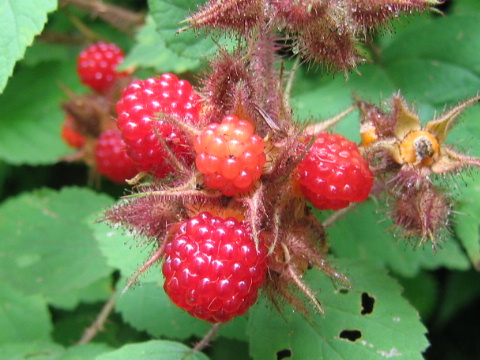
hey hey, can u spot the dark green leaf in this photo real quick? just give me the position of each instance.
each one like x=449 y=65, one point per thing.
x=84 y=352
x=350 y=239
x=467 y=224
x=168 y=15
x=30 y=114
x=153 y=350
x=20 y=21
x=150 y=51
x=351 y=329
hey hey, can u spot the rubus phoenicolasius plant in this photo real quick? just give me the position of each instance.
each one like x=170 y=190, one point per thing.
x=249 y=161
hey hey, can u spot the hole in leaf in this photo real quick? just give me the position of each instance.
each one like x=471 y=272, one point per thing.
x=367 y=304
x=350 y=335
x=284 y=354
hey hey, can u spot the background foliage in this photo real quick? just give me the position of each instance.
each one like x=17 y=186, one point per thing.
x=58 y=266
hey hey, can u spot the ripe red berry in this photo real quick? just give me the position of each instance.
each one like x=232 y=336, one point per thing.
x=97 y=65
x=333 y=173
x=229 y=155
x=111 y=158
x=137 y=109
x=71 y=136
x=212 y=268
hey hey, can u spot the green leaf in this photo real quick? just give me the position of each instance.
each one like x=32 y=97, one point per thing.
x=150 y=51
x=461 y=289
x=22 y=318
x=31 y=116
x=422 y=292
x=467 y=224
x=351 y=329
x=37 y=350
x=153 y=350
x=84 y=352
x=99 y=290
x=349 y=239
x=20 y=21
x=123 y=251
x=45 y=247
x=453 y=40
x=147 y=307
x=168 y=15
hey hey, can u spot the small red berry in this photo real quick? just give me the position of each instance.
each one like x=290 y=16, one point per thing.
x=71 y=136
x=212 y=268
x=111 y=158
x=229 y=155
x=137 y=109
x=97 y=65
x=333 y=173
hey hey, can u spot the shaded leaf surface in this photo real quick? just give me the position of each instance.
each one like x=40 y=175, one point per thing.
x=388 y=328
x=45 y=247
x=22 y=318
x=31 y=116
x=151 y=51
x=361 y=235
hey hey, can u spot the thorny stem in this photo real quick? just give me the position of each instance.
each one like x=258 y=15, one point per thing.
x=84 y=30
x=97 y=325
x=300 y=284
x=289 y=84
x=118 y=17
x=153 y=259
x=171 y=157
x=317 y=128
x=337 y=215
x=190 y=130
x=206 y=339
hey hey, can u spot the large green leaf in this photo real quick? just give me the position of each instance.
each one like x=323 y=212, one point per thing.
x=46 y=248
x=100 y=290
x=168 y=15
x=370 y=322
x=150 y=51
x=467 y=221
x=361 y=234
x=38 y=350
x=22 y=318
x=20 y=21
x=154 y=350
x=30 y=113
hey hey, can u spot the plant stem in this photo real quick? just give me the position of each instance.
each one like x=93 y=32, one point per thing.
x=97 y=325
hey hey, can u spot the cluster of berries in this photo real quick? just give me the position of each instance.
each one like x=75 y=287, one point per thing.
x=214 y=260
x=89 y=124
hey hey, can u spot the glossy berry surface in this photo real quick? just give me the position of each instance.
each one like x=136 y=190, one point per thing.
x=97 y=64
x=229 y=155
x=137 y=110
x=333 y=173
x=111 y=158
x=70 y=135
x=212 y=268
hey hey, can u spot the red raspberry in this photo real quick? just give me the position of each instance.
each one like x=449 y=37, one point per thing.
x=111 y=158
x=137 y=109
x=71 y=136
x=212 y=268
x=97 y=65
x=229 y=155
x=333 y=173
